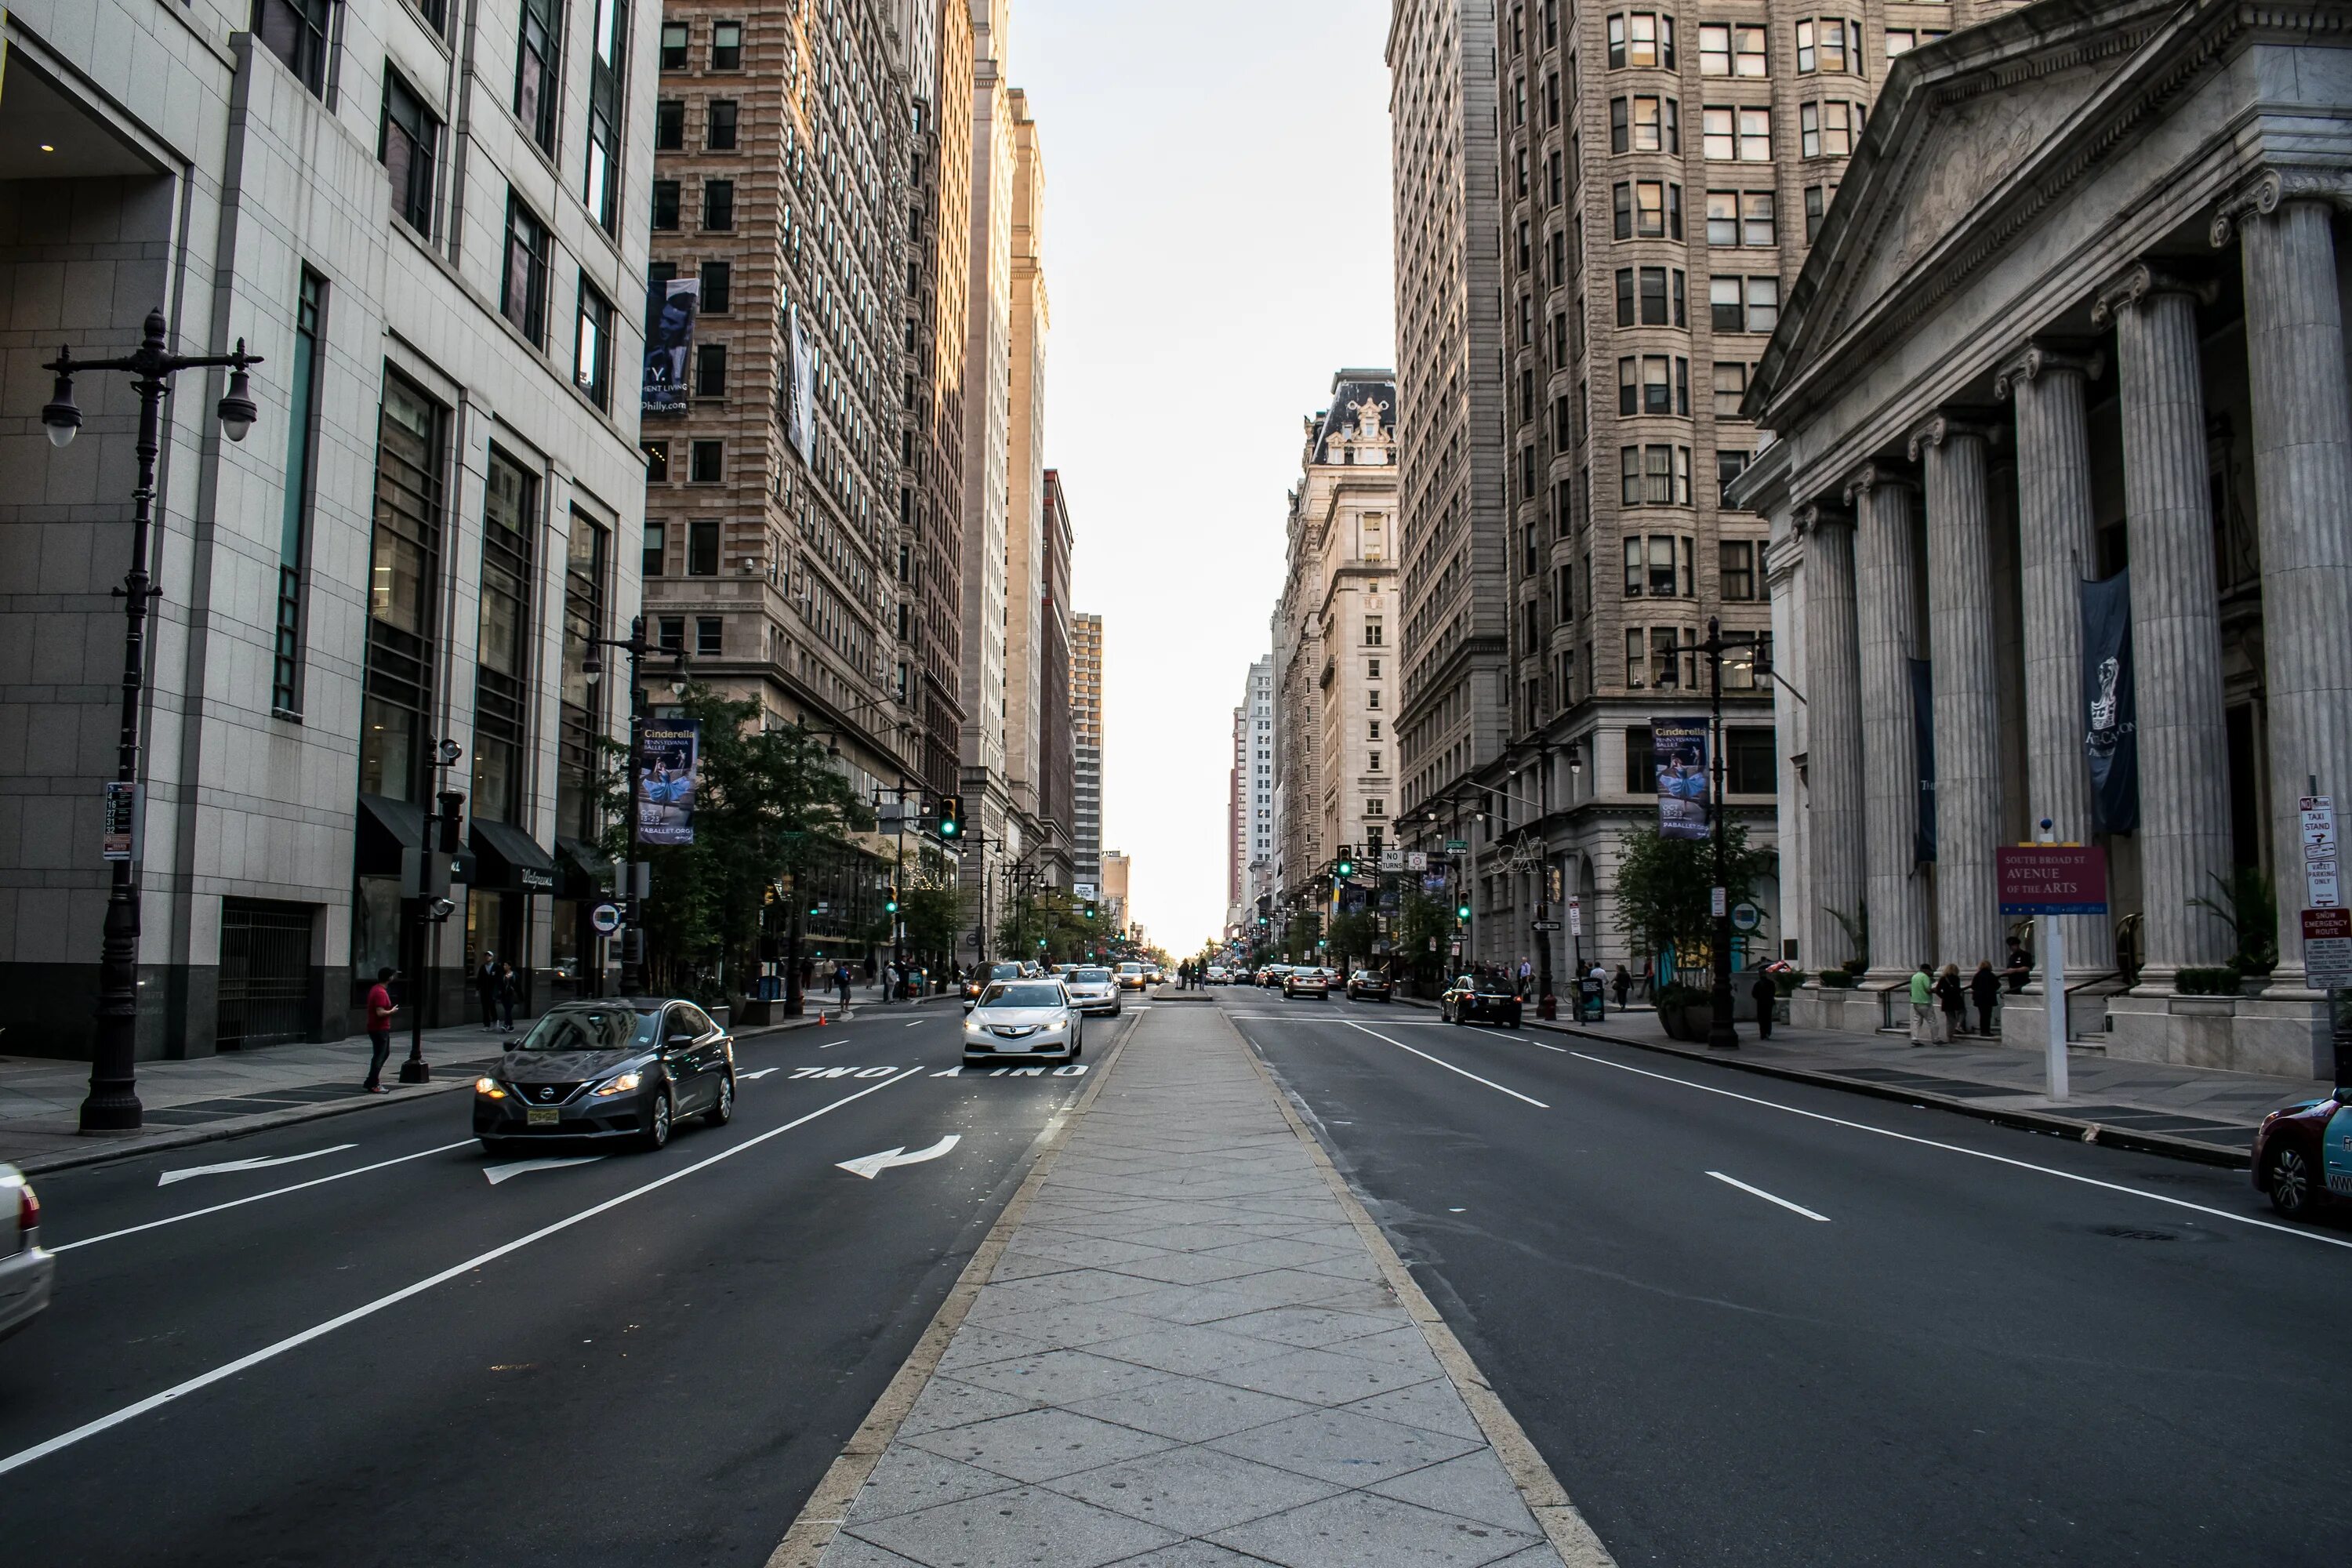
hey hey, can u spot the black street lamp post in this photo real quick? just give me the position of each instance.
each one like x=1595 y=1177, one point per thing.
x=1720 y=1032
x=112 y=1105
x=633 y=945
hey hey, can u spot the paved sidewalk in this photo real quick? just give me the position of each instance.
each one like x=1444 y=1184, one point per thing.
x=1193 y=1351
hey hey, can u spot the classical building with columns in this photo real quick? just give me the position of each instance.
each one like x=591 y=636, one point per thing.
x=2074 y=318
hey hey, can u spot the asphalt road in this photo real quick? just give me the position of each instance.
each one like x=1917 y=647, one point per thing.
x=1754 y=1322
x=649 y=1358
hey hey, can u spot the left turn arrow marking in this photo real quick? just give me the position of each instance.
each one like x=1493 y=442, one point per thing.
x=169 y=1177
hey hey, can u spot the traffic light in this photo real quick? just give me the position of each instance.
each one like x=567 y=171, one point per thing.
x=1090 y=909
x=951 y=816
x=453 y=821
x=1347 y=867
x=890 y=904
x=1462 y=910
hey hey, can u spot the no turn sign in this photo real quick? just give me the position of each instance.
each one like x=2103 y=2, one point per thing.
x=605 y=918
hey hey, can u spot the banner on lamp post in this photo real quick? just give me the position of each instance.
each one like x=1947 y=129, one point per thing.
x=670 y=308
x=2110 y=706
x=1678 y=756
x=1923 y=731
x=668 y=765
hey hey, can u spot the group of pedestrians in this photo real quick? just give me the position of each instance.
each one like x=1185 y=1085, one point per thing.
x=498 y=987
x=1940 y=1003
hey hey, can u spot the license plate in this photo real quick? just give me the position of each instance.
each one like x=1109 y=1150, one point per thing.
x=543 y=1115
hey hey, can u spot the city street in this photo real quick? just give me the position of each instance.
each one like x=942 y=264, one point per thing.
x=361 y=1341
x=1749 y=1322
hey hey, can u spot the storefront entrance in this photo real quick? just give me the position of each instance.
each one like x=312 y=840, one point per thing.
x=265 y=975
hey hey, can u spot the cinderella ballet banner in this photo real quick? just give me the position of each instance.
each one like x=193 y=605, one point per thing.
x=667 y=767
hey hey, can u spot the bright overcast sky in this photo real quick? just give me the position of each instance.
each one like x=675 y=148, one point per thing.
x=1216 y=244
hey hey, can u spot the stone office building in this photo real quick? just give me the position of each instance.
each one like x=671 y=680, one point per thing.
x=2077 y=312
x=436 y=257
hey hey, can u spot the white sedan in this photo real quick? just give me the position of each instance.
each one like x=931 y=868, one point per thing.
x=1093 y=987
x=1023 y=1018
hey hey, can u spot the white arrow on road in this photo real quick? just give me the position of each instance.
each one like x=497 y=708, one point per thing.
x=747 y=1076
x=168 y=1177
x=872 y=1166
x=498 y=1174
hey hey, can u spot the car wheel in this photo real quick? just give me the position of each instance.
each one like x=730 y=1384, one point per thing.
x=722 y=1110
x=656 y=1134
x=2288 y=1183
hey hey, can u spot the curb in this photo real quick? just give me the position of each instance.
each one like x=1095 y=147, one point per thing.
x=110 y=1151
x=1562 y=1521
x=827 y=1509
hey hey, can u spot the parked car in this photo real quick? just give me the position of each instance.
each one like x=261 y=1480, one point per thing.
x=1310 y=982
x=25 y=1268
x=1024 y=1018
x=1489 y=1000
x=977 y=982
x=1132 y=977
x=626 y=1070
x=2303 y=1154
x=1368 y=985
x=1093 y=990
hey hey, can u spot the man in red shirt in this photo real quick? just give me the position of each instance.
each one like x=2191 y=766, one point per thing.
x=378 y=1029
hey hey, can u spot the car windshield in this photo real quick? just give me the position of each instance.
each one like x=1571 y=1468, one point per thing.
x=590 y=1029
x=1088 y=976
x=1130 y=969
x=1037 y=995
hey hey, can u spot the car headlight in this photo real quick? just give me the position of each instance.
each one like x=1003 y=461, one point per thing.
x=489 y=1088
x=620 y=1085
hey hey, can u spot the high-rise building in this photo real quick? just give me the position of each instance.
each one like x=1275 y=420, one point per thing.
x=437 y=505
x=1056 y=728
x=1257 y=783
x=1087 y=735
x=1115 y=913
x=1027 y=505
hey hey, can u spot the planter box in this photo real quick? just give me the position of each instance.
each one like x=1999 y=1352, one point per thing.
x=1689 y=1023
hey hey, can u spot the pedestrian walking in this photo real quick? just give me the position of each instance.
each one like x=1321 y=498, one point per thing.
x=845 y=979
x=1923 y=1007
x=509 y=987
x=1767 y=996
x=1624 y=984
x=485 y=989
x=1648 y=981
x=1596 y=986
x=1984 y=987
x=379 y=1030
x=1954 y=998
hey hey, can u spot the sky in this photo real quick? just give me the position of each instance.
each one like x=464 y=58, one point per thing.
x=1216 y=243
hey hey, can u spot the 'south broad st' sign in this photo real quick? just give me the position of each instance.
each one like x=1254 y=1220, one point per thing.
x=2053 y=879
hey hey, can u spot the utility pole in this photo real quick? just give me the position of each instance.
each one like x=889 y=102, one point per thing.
x=1720 y=1032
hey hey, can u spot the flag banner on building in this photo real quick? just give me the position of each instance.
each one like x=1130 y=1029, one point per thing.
x=667 y=763
x=2110 y=712
x=800 y=412
x=1678 y=752
x=670 y=307
x=1923 y=729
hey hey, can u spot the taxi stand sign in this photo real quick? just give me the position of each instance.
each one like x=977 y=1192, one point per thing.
x=2053 y=879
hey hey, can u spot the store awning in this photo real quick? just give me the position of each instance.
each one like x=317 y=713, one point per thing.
x=580 y=871
x=387 y=826
x=508 y=859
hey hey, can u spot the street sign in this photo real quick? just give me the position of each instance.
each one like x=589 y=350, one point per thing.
x=1457 y=846
x=2322 y=887
x=1576 y=915
x=605 y=918
x=1391 y=860
x=2327 y=949
x=2053 y=879
x=1546 y=925
x=1416 y=861
x=1743 y=917
x=1714 y=902
x=119 y=838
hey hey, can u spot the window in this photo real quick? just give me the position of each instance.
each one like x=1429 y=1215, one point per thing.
x=1639 y=779
x=1815 y=205
x=709 y=636
x=1657 y=125
x=296 y=31
x=1663 y=582
x=592 y=362
x=711 y=370
x=1629 y=485
x=1748 y=765
x=656 y=462
x=702 y=547
x=1376 y=763
x=1655 y=396
x=673 y=45
x=704 y=461
x=1621 y=129
x=1670 y=658
x=1763 y=304
x=1735 y=568
x=1730 y=386
x=406 y=145
x=600 y=174
x=717 y=278
x=1727 y=468
x=1737 y=135
x=726 y=46
x=1629 y=384
x=294 y=515
x=1653 y=297
x=502 y=649
x=1901 y=41
x=1373 y=632
x=538 y=87
x=1625 y=296
x=1636 y=578
x=719 y=131
x=717 y=204
x=670 y=126
x=1722 y=218
x=657 y=548
x=664 y=204
x=577 y=810
x=1641 y=38
x=524 y=298
x=1730 y=51
x=1828 y=44
x=1744 y=304
x=1372 y=672
x=1649 y=209
x=670 y=633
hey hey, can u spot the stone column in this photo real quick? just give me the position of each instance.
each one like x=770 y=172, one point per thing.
x=1967 y=744
x=1886 y=621
x=2302 y=487
x=1832 y=735
x=2184 y=753
x=2057 y=550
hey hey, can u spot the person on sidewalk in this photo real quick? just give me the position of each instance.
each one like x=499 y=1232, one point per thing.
x=1646 y=981
x=1954 y=997
x=1624 y=984
x=485 y=989
x=508 y=988
x=1984 y=988
x=843 y=979
x=2020 y=967
x=379 y=1031
x=1767 y=996
x=1923 y=1007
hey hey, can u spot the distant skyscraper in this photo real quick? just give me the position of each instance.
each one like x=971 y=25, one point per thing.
x=1087 y=731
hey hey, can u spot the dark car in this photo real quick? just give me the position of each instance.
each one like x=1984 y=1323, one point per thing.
x=1368 y=985
x=626 y=1068
x=1488 y=1001
x=975 y=982
x=2303 y=1154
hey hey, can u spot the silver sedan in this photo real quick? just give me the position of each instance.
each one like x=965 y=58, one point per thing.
x=1033 y=1019
x=24 y=1266
x=1093 y=988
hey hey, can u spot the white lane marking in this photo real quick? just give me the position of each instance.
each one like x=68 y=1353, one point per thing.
x=747 y=1076
x=1449 y=1066
x=830 y=1044
x=872 y=1166
x=498 y=1174
x=1520 y=1038
x=1975 y=1154
x=273 y=1192
x=1758 y=1192
x=169 y=1177
x=294 y=1341
x=951 y=1072
x=916 y=1025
